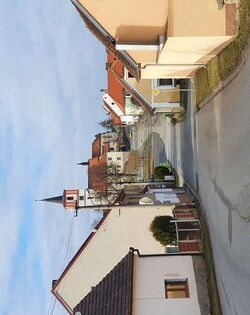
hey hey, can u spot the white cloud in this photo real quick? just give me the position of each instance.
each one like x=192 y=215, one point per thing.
x=51 y=75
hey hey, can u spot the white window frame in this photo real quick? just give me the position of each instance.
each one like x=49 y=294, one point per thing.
x=163 y=87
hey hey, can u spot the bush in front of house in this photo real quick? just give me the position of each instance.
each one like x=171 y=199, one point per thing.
x=161 y=171
x=163 y=230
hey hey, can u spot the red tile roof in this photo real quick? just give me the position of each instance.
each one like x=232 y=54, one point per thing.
x=115 y=89
x=96 y=173
x=97 y=165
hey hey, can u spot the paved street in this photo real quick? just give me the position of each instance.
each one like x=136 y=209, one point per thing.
x=211 y=150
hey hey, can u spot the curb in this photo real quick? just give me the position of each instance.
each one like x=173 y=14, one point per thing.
x=223 y=84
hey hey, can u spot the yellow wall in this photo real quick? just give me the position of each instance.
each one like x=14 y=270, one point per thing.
x=196 y=18
x=130 y=20
x=143 y=56
x=195 y=28
x=189 y=50
x=146 y=86
x=168 y=95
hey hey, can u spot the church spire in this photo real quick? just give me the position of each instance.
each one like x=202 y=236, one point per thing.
x=83 y=163
x=57 y=199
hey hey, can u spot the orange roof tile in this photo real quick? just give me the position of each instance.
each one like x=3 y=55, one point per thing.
x=115 y=89
x=96 y=173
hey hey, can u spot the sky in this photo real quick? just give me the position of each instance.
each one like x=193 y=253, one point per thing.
x=52 y=69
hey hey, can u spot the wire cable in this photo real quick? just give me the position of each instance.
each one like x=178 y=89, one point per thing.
x=68 y=242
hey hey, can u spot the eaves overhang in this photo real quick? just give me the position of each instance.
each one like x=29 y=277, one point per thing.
x=107 y=40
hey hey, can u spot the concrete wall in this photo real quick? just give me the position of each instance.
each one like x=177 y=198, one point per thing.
x=124 y=227
x=149 y=291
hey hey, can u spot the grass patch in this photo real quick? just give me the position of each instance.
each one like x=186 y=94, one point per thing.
x=218 y=68
x=207 y=252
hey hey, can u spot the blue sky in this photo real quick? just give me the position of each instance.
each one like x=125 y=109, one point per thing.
x=52 y=69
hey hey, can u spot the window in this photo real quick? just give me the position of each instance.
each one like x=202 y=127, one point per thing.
x=110 y=158
x=164 y=82
x=130 y=75
x=81 y=198
x=70 y=198
x=176 y=288
x=118 y=158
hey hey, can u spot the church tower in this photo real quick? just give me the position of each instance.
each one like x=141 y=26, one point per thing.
x=79 y=198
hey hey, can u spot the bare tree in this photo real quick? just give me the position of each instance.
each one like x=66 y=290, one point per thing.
x=107 y=124
x=108 y=181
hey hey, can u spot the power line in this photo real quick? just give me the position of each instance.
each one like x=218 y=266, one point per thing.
x=64 y=255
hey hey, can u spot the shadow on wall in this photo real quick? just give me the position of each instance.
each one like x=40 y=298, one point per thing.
x=220 y=3
x=139 y=34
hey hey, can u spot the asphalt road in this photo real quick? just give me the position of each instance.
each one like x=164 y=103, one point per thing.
x=211 y=150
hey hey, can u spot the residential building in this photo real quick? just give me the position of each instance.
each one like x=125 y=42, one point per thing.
x=118 y=159
x=107 y=160
x=120 y=228
x=150 y=284
x=97 y=165
x=167 y=39
x=116 y=101
x=126 y=98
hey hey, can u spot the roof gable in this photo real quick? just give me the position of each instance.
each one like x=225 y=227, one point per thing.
x=108 y=41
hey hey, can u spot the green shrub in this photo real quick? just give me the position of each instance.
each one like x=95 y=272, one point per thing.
x=161 y=171
x=163 y=230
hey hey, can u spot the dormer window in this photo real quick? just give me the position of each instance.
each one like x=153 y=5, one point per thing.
x=70 y=198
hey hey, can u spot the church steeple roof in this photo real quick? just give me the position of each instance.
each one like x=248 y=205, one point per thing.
x=57 y=199
x=83 y=163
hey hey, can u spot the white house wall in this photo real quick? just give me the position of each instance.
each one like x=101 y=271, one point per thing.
x=123 y=228
x=192 y=50
x=118 y=158
x=149 y=291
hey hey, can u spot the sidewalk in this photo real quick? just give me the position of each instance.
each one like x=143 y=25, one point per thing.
x=174 y=143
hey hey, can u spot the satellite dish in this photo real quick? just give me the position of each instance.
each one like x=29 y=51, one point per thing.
x=146 y=201
x=78 y=313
